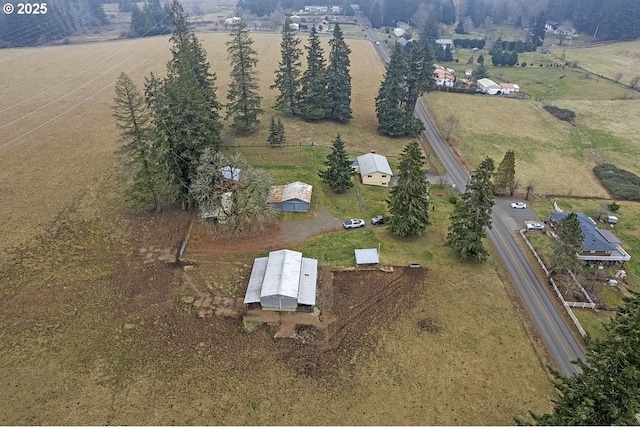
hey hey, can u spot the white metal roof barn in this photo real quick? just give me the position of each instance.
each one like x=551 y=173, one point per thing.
x=283 y=281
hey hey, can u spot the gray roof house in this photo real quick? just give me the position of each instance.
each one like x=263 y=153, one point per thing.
x=374 y=169
x=283 y=281
x=292 y=197
x=597 y=245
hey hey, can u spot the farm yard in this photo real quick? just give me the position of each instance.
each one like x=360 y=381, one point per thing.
x=93 y=316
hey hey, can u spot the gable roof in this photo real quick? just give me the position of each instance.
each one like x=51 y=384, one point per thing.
x=283 y=273
x=294 y=190
x=488 y=83
x=371 y=162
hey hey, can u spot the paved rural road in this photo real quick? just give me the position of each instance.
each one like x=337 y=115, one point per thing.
x=550 y=323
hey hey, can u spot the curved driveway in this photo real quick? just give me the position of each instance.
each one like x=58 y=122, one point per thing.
x=551 y=325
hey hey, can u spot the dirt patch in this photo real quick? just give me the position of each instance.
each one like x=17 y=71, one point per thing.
x=361 y=303
x=203 y=243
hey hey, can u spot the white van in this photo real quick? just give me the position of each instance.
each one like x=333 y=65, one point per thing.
x=612 y=219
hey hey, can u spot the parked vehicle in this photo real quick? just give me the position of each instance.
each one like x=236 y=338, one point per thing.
x=612 y=219
x=535 y=226
x=519 y=205
x=378 y=220
x=353 y=223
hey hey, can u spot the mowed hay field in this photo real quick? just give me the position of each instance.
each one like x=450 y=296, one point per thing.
x=93 y=335
x=608 y=59
x=558 y=156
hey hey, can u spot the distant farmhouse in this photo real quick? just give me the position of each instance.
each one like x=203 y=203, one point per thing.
x=283 y=281
x=489 y=86
x=374 y=169
x=598 y=245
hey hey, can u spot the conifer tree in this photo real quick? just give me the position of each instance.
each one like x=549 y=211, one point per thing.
x=395 y=102
x=607 y=392
x=276 y=136
x=567 y=244
x=409 y=199
x=184 y=108
x=472 y=214
x=243 y=97
x=338 y=78
x=505 y=175
x=392 y=97
x=282 y=136
x=132 y=118
x=338 y=172
x=314 y=100
x=287 y=79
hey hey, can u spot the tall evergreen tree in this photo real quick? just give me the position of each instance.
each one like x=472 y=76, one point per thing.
x=537 y=29
x=420 y=78
x=184 y=108
x=472 y=215
x=398 y=93
x=314 y=101
x=132 y=118
x=567 y=244
x=505 y=174
x=287 y=79
x=338 y=77
x=409 y=199
x=243 y=97
x=607 y=392
x=391 y=102
x=338 y=172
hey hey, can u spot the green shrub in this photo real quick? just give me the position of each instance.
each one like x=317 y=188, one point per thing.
x=620 y=183
x=613 y=207
x=453 y=199
x=561 y=113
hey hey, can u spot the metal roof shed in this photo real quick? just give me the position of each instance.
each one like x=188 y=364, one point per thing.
x=281 y=280
x=367 y=256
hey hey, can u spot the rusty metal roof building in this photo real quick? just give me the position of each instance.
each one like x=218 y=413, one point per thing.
x=292 y=197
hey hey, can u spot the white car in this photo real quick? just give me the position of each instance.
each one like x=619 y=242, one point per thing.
x=353 y=223
x=535 y=226
x=519 y=205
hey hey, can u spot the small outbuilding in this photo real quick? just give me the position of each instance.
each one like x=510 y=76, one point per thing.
x=489 y=86
x=292 y=197
x=283 y=281
x=367 y=256
x=507 y=88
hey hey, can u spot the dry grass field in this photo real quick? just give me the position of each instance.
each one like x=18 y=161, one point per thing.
x=94 y=335
x=607 y=60
x=558 y=156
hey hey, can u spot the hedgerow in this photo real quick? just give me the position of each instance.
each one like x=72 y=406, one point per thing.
x=561 y=113
x=620 y=183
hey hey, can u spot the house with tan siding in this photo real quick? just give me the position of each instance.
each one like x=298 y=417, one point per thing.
x=374 y=169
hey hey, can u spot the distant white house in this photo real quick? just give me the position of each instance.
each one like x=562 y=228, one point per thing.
x=489 y=86
x=507 y=88
x=398 y=32
x=445 y=42
x=283 y=281
x=468 y=72
x=232 y=21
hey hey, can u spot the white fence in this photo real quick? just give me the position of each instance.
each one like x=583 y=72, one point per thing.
x=567 y=304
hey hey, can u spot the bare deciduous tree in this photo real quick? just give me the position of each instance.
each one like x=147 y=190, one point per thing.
x=617 y=77
x=451 y=125
x=634 y=81
x=531 y=186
